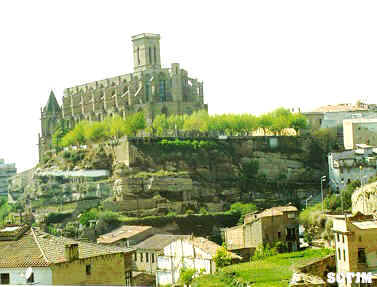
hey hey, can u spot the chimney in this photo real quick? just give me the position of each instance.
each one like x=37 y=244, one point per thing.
x=71 y=252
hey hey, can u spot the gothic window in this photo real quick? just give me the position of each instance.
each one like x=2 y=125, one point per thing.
x=155 y=55
x=138 y=56
x=162 y=90
x=150 y=55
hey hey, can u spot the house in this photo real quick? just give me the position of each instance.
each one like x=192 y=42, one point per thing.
x=126 y=235
x=359 y=131
x=356 y=245
x=145 y=257
x=350 y=165
x=269 y=226
x=364 y=199
x=29 y=256
x=194 y=252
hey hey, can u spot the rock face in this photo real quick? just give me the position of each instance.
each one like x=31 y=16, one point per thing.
x=364 y=199
x=266 y=170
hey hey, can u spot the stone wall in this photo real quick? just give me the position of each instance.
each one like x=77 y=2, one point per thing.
x=319 y=267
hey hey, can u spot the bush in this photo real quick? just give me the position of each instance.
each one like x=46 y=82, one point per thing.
x=222 y=257
x=242 y=209
x=264 y=251
x=187 y=275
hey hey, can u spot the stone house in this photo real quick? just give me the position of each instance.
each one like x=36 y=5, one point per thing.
x=356 y=245
x=126 y=235
x=147 y=251
x=359 y=131
x=351 y=165
x=195 y=252
x=269 y=226
x=29 y=256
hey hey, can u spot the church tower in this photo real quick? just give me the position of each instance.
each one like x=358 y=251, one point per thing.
x=146 y=49
x=50 y=116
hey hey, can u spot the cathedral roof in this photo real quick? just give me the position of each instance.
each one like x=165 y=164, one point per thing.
x=52 y=104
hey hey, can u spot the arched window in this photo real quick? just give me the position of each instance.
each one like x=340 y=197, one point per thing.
x=150 y=55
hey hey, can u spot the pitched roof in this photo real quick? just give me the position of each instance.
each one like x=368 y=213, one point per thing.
x=277 y=210
x=341 y=108
x=159 y=241
x=209 y=246
x=52 y=104
x=123 y=232
x=39 y=249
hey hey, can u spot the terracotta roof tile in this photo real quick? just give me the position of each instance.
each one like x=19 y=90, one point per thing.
x=123 y=232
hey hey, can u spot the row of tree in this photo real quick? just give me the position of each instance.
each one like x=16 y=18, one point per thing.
x=85 y=132
x=277 y=122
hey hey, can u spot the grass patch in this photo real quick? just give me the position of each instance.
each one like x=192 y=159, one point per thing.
x=274 y=271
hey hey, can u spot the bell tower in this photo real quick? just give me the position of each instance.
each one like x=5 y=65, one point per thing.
x=146 y=49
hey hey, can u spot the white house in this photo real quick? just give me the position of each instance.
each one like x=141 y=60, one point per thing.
x=195 y=252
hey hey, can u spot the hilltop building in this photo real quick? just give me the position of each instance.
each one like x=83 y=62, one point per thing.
x=332 y=116
x=350 y=165
x=356 y=245
x=150 y=88
x=7 y=170
x=29 y=256
x=275 y=224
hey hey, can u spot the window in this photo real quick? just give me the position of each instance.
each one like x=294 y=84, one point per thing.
x=279 y=235
x=4 y=278
x=337 y=237
x=343 y=238
x=152 y=257
x=141 y=257
x=88 y=269
x=30 y=279
x=155 y=55
x=147 y=91
x=163 y=91
x=361 y=258
x=344 y=254
x=135 y=256
x=339 y=255
x=146 y=257
x=128 y=278
x=150 y=55
x=138 y=56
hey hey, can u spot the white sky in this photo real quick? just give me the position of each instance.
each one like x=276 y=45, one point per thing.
x=253 y=56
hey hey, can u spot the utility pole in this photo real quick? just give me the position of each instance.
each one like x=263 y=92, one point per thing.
x=323 y=178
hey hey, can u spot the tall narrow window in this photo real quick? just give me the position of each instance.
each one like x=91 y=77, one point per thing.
x=155 y=55
x=344 y=254
x=147 y=257
x=152 y=257
x=163 y=91
x=361 y=257
x=138 y=56
x=150 y=55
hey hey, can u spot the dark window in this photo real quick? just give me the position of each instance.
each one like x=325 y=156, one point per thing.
x=361 y=258
x=4 y=278
x=339 y=254
x=88 y=268
x=337 y=237
x=343 y=238
x=163 y=91
x=146 y=257
x=141 y=257
x=30 y=279
x=155 y=55
x=150 y=55
x=135 y=256
x=128 y=278
x=344 y=254
x=152 y=257
x=279 y=235
x=138 y=56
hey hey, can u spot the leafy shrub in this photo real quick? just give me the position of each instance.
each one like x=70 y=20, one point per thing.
x=222 y=257
x=264 y=251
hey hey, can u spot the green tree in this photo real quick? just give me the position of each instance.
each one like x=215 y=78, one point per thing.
x=160 y=125
x=135 y=123
x=242 y=209
x=298 y=122
x=187 y=275
x=265 y=123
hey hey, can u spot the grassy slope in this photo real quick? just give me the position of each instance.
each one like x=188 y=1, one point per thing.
x=275 y=271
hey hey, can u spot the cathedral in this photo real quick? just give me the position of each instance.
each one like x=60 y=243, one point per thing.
x=150 y=88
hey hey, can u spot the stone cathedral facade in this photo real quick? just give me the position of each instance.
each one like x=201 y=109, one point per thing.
x=150 y=88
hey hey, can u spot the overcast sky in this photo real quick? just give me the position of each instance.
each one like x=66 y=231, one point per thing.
x=253 y=56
